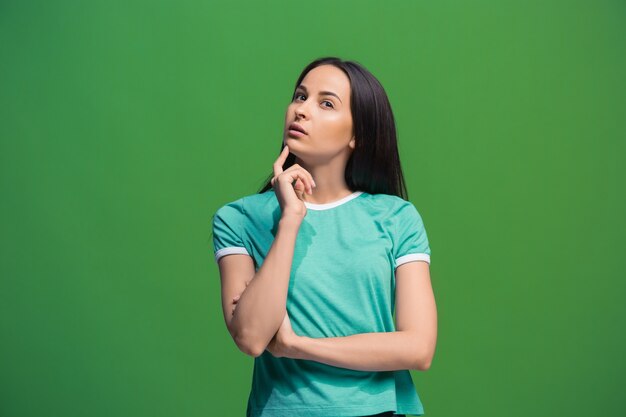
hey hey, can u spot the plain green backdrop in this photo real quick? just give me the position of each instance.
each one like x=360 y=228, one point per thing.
x=124 y=125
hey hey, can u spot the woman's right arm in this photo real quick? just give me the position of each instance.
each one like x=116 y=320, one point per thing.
x=261 y=306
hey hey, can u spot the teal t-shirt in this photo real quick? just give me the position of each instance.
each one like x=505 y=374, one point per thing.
x=342 y=283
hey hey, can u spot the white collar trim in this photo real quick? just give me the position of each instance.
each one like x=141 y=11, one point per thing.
x=326 y=206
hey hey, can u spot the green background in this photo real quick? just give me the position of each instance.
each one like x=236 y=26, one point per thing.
x=124 y=125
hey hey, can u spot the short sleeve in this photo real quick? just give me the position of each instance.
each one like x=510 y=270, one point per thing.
x=228 y=230
x=411 y=240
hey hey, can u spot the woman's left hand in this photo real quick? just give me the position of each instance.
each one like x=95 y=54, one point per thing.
x=283 y=341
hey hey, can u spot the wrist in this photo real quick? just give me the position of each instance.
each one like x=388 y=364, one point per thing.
x=296 y=347
x=290 y=222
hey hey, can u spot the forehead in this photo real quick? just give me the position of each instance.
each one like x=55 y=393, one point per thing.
x=328 y=78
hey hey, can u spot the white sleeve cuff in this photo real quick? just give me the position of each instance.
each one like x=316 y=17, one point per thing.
x=230 y=251
x=412 y=257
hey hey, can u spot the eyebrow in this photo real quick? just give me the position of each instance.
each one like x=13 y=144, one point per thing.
x=328 y=93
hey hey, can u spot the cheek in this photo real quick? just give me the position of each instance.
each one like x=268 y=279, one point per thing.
x=340 y=125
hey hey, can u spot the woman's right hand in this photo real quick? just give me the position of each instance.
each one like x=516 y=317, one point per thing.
x=290 y=185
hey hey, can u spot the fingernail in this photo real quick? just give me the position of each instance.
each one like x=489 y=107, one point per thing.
x=314 y=185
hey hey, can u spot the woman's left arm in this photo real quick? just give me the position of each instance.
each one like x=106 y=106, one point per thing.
x=411 y=346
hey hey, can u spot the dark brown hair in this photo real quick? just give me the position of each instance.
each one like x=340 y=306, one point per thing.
x=374 y=165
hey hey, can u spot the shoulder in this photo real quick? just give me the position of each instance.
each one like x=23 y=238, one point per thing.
x=259 y=201
x=388 y=204
x=248 y=205
x=397 y=214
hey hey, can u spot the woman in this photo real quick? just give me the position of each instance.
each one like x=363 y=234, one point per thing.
x=320 y=257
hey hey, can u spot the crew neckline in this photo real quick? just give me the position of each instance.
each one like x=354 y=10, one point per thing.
x=326 y=206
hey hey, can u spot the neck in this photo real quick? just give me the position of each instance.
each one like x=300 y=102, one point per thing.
x=330 y=181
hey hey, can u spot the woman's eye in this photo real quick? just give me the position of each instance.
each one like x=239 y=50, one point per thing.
x=297 y=95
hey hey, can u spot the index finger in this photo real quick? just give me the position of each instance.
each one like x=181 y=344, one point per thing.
x=278 y=165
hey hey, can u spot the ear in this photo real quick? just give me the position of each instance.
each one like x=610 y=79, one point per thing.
x=352 y=142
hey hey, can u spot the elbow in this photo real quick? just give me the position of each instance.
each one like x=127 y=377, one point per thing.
x=422 y=366
x=423 y=362
x=251 y=350
x=247 y=345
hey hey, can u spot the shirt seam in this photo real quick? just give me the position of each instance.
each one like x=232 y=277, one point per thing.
x=396 y=238
x=241 y=228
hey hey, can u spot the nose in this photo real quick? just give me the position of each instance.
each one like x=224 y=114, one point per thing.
x=300 y=110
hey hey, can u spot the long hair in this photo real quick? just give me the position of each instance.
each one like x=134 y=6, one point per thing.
x=374 y=164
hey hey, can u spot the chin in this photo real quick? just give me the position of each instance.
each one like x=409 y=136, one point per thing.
x=291 y=142
x=296 y=148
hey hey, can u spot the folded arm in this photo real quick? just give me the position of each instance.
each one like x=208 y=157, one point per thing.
x=262 y=295
x=411 y=346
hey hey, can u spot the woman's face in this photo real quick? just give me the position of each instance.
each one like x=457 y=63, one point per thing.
x=321 y=106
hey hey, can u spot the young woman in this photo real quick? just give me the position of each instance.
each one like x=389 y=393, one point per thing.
x=313 y=266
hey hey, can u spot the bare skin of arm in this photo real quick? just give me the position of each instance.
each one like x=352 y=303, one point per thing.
x=262 y=304
x=411 y=346
x=261 y=297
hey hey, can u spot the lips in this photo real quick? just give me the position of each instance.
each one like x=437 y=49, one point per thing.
x=297 y=127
